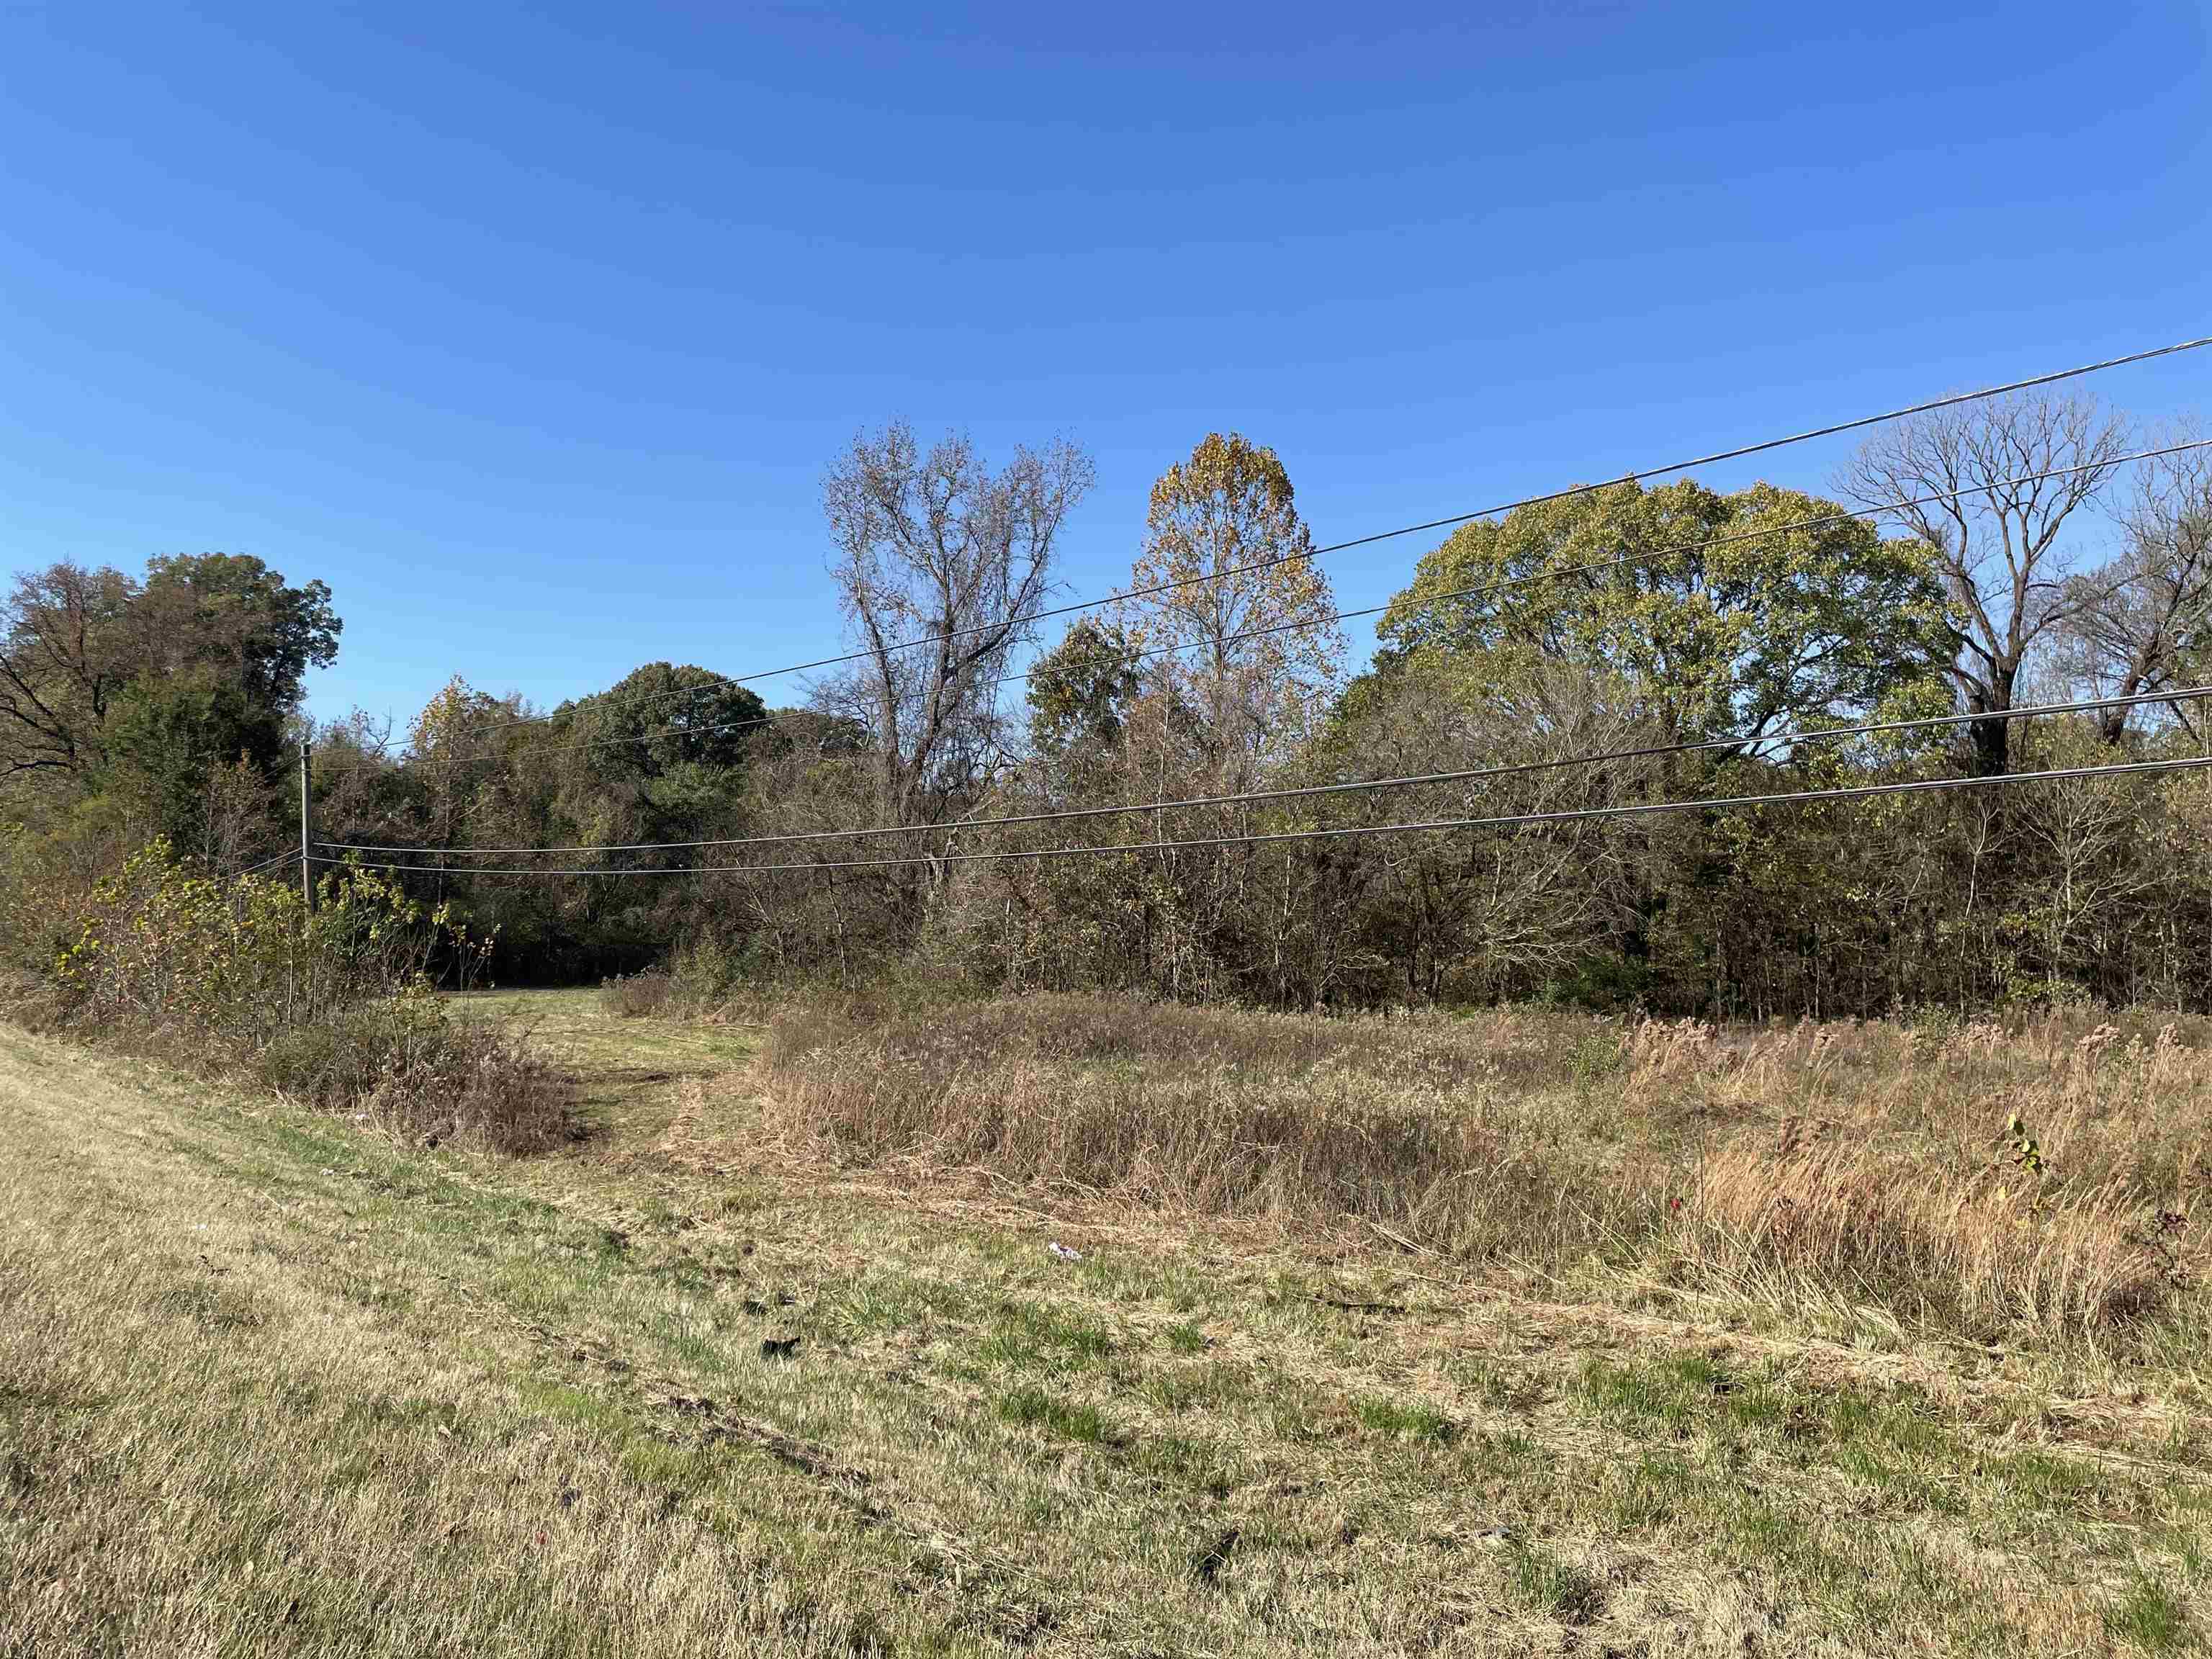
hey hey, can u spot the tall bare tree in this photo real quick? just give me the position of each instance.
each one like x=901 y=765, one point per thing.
x=936 y=548
x=1997 y=538
x=63 y=659
x=2135 y=622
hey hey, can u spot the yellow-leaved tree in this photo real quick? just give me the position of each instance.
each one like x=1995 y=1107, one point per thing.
x=1226 y=597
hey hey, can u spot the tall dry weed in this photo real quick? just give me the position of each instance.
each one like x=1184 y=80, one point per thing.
x=1211 y=1111
x=1861 y=1164
x=1967 y=1253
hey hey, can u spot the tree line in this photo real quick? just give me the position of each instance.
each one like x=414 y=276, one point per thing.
x=1974 y=560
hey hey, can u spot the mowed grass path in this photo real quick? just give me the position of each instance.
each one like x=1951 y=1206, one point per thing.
x=270 y=1384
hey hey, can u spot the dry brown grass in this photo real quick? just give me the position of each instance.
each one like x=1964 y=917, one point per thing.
x=1856 y=1225
x=269 y=1384
x=1854 y=1166
x=637 y=996
x=430 y=1080
x=1403 y=1125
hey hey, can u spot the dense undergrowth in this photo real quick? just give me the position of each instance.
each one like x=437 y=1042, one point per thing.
x=336 y=1004
x=1963 y=1179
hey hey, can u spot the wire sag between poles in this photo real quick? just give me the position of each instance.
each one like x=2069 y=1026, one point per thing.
x=1637 y=809
x=1760 y=449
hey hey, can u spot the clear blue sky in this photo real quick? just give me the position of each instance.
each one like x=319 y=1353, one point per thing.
x=531 y=334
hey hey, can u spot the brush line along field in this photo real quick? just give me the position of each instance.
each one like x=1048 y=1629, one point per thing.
x=1058 y=1327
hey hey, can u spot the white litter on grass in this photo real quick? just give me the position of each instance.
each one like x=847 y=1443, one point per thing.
x=1062 y=1253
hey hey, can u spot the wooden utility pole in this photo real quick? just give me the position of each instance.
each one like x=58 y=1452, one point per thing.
x=307 y=831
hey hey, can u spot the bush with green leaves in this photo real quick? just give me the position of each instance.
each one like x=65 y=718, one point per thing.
x=336 y=1005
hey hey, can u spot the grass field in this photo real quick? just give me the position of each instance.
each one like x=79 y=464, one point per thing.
x=271 y=1384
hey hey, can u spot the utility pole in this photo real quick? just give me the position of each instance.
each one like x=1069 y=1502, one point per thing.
x=307 y=831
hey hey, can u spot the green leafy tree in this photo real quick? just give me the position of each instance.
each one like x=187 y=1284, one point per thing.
x=64 y=658
x=231 y=613
x=1080 y=691
x=169 y=739
x=661 y=756
x=660 y=719
x=1712 y=615
x=143 y=690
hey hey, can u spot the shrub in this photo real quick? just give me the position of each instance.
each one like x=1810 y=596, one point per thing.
x=336 y=1006
x=636 y=996
x=159 y=949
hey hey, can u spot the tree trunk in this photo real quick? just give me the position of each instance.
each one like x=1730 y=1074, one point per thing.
x=1992 y=739
x=1992 y=748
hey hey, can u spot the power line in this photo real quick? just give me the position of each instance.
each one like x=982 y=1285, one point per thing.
x=1469 y=774
x=1657 y=554
x=663 y=734
x=288 y=856
x=1840 y=516
x=1713 y=458
x=1855 y=792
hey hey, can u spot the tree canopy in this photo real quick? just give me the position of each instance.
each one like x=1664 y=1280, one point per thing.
x=1342 y=836
x=1710 y=615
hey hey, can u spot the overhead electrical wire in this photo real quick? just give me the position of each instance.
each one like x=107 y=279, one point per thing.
x=1654 y=555
x=1717 y=456
x=1855 y=792
x=1467 y=775
x=290 y=855
x=1657 y=554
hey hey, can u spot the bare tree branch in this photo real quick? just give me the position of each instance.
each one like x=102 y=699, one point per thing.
x=1997 y=536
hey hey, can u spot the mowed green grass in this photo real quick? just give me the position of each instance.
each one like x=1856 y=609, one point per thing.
x=269 y=1384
